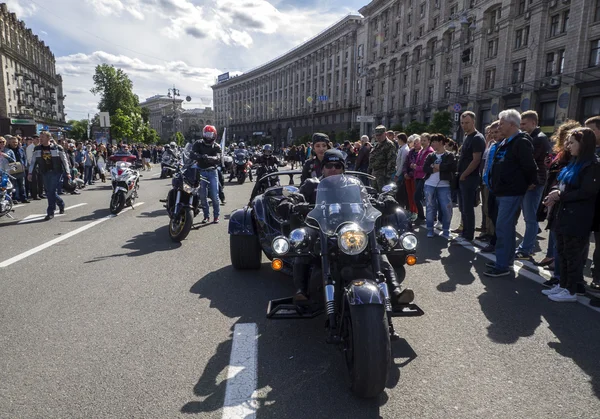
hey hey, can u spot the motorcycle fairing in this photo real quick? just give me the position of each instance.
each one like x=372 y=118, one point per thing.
x=364 y=291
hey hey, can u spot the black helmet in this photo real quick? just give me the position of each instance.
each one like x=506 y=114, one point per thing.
x=242 y=145
x=167 y=147
x=267 y=149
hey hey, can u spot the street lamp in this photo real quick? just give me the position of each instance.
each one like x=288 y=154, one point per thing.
x=174 y=93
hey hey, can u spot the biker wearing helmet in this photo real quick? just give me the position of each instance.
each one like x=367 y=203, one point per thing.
x=208 y=155
x=240 y=154
x=333 y=163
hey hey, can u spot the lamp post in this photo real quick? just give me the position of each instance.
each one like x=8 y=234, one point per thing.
x=174 y=94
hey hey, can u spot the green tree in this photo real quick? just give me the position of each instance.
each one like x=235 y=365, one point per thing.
x=115 y=89
x=78 y=130
x=145 y=112
x=415 y=127
x=121 y=126
x=441 y=123
x=178 y=138
x=150 y=135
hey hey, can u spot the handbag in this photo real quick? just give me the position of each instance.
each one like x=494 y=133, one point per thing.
x=15 y=168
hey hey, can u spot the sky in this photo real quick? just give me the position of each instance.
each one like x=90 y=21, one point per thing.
x=166 y=43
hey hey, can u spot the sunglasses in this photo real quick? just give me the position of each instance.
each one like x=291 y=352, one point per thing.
x=337 y=166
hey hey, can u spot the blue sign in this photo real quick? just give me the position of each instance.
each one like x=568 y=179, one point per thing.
x=563 y=101
x=525 y=105
x=222 y=77
x=322 y=98
x=457 y=107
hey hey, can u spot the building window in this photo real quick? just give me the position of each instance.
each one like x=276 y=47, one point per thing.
x=521 y=37
x=404 y=100
x=521 y=6
x=595 y=53
x=554 y=25
x=421 y=30
x=453 y=10
x=404 y=80
x=430 y=94
x=490 y=78
x=561 y=61
x=415 y=101
x=422 y=9
x=447 y=86
x=432 y=70
x=597 y=11
x=466 y=85
x=518 y=72
x=591 y=106
x=547 y=114
x=565 y=22
x=409 y=19
x=550 y=64
x=436 y=21
x=418 y=76
x=495 y=17
x=492 y=48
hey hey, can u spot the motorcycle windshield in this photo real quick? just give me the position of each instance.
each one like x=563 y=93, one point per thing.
x=342 y=199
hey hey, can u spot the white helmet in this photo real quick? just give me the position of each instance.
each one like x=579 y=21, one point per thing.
x=173 y=145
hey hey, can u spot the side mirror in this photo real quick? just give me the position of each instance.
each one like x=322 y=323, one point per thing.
x=289 y=190
x=389 y=188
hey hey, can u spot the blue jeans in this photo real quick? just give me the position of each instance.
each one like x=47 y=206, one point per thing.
x=210 y=187
x=438 y=199
x=51 y=181
x=506 y=236
x=466 y=201
x=19 y=185
x=531 y=202
x=419 y=195
x=88 y=175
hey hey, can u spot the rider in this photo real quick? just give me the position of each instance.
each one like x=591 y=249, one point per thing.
x=240 y=154
x=313 y=167
x=208 y=155
x=333 y=163
x=123 y=154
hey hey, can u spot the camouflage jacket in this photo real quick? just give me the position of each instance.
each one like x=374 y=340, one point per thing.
x=382 y=160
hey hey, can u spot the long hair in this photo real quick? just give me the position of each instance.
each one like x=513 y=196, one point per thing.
x=562 y=132
x=587 y=153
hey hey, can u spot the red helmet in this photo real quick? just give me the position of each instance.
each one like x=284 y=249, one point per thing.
x=209 y=133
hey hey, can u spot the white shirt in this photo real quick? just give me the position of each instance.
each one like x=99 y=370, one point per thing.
x=29 y=153
x=434 y=178
x=401 y=159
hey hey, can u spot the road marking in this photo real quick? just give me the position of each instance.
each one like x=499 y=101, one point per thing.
x=37 y=217
x=156 y=175
x=52 y=242
x=520 y=269
x=240 y=396
x=18 y=206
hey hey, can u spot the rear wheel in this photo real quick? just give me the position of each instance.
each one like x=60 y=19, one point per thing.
x=117 y=202
x=180 y=225
x=241 y=178
x=245 y=252
x=367 y=349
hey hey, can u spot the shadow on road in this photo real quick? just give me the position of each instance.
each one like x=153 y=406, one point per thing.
x=144 y=244
x=515 y=308
x=299 y=375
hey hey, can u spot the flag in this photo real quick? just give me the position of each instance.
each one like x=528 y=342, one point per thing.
x=223 y=147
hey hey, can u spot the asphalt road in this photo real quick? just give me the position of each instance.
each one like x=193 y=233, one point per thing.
x=118 y=321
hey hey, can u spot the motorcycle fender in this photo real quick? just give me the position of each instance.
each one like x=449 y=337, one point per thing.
x=364 y=291
x=240 y=222
x=120 y=188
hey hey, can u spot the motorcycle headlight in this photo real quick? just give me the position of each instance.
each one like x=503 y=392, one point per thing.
x=187 y=188
x=409 y=241
x=351 y=239
x=280 y=245
x=388 y=237
x=299 y=239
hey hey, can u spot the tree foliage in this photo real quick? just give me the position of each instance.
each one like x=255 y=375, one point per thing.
x=78 y=130
x=179 y=139
x=441 y=123
x=115 y=89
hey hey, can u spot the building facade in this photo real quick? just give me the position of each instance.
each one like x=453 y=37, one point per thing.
x=480 y=55
x=31 y=95
x=404 y=60
x=311 y=88
x=194 y=120
x=163 y=111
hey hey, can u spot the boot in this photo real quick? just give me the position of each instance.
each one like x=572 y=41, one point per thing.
x=397 y=295
x=300 y=274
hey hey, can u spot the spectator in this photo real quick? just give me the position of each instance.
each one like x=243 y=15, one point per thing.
x=146 y=157
x=425 y=151
x=594 y=124
x=390 y=135
x=6 y=155
x=362 y=160
x=350 y=155
x=573 y=204
x=487 y=228
x=88 y=164
x=471 y=152
x=382 y=160
x=489 y=201
x=20 y=193
x=409 y=174
x=401 y=157
x=439 y=167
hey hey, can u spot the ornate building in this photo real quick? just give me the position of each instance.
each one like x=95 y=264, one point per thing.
x=163 y=110
x=194 y=120
x=31 y=96
x=310 y=88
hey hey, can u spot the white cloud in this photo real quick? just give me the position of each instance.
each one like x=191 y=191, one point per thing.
x=21 y=8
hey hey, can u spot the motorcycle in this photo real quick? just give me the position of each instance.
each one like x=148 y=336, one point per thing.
x=263 y=181
x=6 y=187
x=125 y=183
x=242 y=167
x=183 y=202
x=340 y=240
x=167 y=166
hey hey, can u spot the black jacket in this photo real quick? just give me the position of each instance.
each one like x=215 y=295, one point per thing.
x=541 y=149
x=311 y=168
x=574 y=213
x=207 y=155
x=447 y=166
x=513 y=169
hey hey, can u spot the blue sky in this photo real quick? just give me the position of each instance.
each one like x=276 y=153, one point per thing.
x=164 y=42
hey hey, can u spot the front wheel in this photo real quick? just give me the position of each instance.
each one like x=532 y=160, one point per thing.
x=241 y=178
x=117 y=202
x=180 y=225
x=245 y=252
x=368 y=349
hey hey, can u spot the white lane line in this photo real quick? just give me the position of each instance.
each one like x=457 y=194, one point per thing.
x=520 y=269
x=37 y=217
x=156 y=175
x=240 y=396
x=18 y=206
x=52 y=242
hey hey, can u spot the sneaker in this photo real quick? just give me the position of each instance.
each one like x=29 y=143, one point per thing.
x=49 y=217
x=551 y=282
x=205 y=220
x=438 y=225
x=490 y=248
x=480 y=229
x=523 y=256
x=490 y=264
x=216 y=220
x=496 y=273
x=554 y=290
x=430 y=234
x=446 y=235
x=458 y=230
x=61 y=210
x=563 y=297
x=223 y=202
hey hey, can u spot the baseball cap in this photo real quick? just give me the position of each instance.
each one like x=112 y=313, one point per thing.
x=334 y=156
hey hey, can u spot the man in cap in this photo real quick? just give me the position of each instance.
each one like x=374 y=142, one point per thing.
x=382 y=160
x=334 y=163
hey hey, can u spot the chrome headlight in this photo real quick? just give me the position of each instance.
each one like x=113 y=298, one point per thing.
x=299 y=239
x=280 y=245
x=187 y=188
x=388 y=237
x=351 y=239
x=409 y=241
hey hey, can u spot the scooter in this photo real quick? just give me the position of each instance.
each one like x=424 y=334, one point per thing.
x=125 y=183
